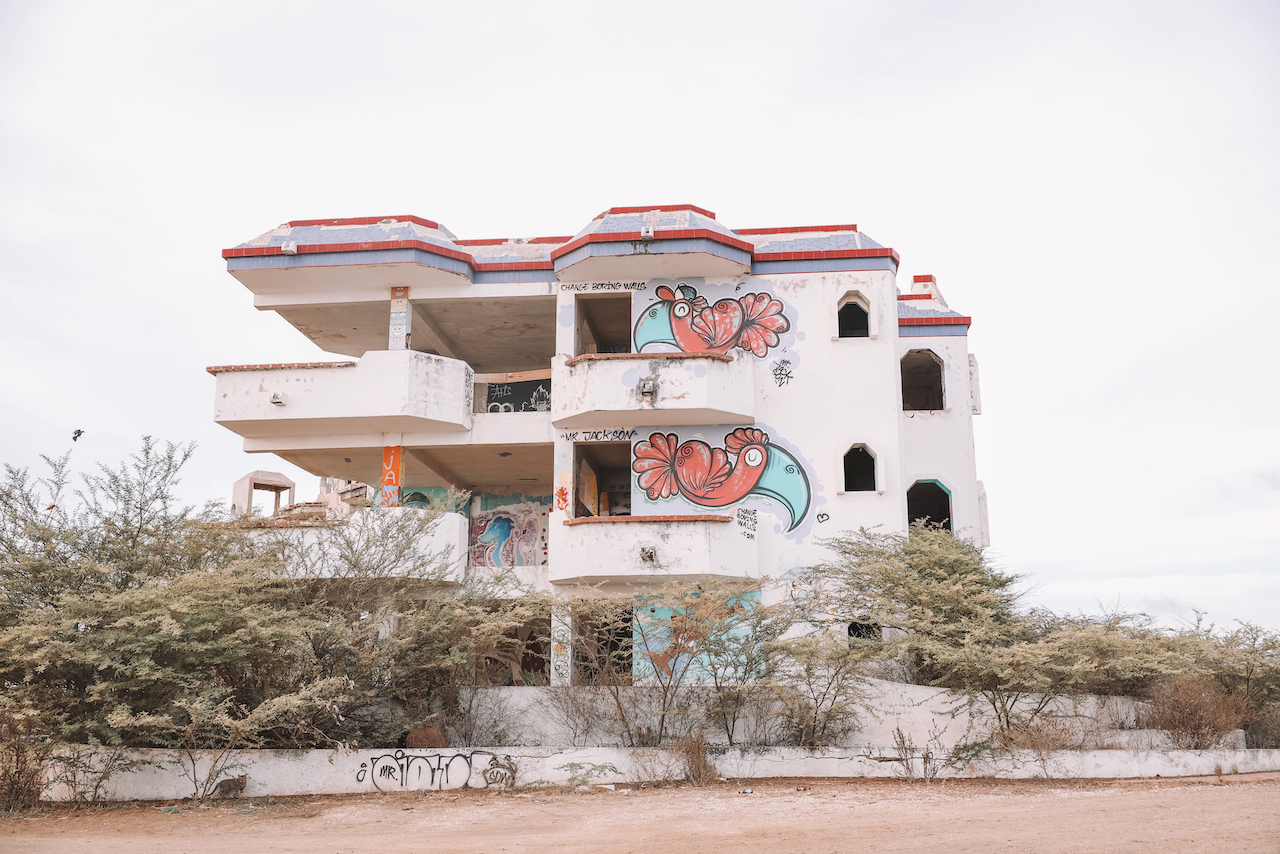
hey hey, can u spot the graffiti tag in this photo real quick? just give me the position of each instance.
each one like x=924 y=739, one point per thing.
x=782 y=372
x=604 y=286
x=404 y=770
x=608 y=435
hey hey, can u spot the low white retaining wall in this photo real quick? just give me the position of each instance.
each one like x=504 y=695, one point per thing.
x=314 y=772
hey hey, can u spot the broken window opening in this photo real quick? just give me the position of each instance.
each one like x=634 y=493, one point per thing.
x=928 y=502
x=603 y=479
x=859 y=470
x=864 y=630
x=921 y=381
x=521 y=658
x=603 y=645
x=604 y=323
x=854 y=322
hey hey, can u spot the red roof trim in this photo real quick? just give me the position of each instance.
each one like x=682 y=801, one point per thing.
x=363 y=220
x=314 y=248
x=882 y=252
x=501 y=266
x=935 y=321
x=647 y=208
x=924 y=278
x=278 y=366
x=565 y=239
x=915 y=296
x=794 y=229
x=668 y=234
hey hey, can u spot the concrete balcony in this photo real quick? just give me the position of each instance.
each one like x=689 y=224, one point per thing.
x=387 y=391
x=628 y=549
x=653 y=390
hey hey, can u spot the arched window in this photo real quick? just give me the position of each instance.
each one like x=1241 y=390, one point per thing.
x=921 y=381
x=854 y=322
x=859 y=470
x=928 y=501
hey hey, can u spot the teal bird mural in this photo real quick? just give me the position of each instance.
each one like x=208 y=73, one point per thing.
x=683 y=318
x=707 y=477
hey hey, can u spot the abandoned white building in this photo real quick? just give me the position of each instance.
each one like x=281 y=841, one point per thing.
x=655 y=395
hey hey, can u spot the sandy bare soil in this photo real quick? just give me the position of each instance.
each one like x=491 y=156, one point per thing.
x=1240 y=815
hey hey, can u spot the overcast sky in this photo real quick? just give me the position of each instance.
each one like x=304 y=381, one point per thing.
x=1096 y=184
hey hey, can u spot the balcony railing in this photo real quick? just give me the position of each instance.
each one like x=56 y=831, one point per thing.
x=631 y=548
x=387 y=391
x=653 y=389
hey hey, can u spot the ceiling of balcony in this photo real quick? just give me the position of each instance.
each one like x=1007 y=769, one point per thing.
x=465 y=466
x=492 y=335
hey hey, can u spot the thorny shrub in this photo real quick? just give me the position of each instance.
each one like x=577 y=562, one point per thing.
x=1195 y=710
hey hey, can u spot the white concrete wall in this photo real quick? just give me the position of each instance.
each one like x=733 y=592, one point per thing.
x=938 y=445
x=617 y=551
x=602 y=392
x=446 y=538
x=386 y=391
x=318 y=772
x=817 y=395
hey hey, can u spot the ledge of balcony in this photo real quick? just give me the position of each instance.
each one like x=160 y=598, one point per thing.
x=605 y=520
x=645 y=357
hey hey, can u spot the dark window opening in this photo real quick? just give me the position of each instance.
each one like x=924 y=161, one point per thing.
x=859 y=470
x=604 y=324
x=864 y=631
x=928 y=502
x=520 y=659
x=603 y=644
x=853 y=321
x=921 y=381
x=602 y=479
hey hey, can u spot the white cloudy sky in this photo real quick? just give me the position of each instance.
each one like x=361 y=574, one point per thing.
x=1095 y=183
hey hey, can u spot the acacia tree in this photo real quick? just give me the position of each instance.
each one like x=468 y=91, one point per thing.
x=128 y=620
x=956 y=621
x=740 y=657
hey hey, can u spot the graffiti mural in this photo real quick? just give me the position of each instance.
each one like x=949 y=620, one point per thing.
x=392 y=475
x=508 y=536
x=403 y=770
x=748 y=464
x=531 y=396
x=688 y=321
x=670 y=643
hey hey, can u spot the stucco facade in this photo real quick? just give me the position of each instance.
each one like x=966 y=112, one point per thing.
x=654 y=396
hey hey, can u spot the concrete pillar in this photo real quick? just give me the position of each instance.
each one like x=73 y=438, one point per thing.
x=561 y=645
x=399 y=332
x=392 y=476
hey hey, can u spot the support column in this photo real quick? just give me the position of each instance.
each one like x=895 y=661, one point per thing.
x=392 y=476
x=561 y=645
x=400 y=331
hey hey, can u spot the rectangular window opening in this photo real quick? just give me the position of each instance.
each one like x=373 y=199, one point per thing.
x=603 y=324
x=603 y=478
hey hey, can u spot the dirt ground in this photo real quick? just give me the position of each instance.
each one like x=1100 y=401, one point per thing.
x=1240 y=814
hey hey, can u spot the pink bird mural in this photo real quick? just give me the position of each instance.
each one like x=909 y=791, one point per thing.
x=705 y=475
x=686 y=320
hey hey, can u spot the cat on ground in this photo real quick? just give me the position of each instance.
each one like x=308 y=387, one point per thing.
x=232 y=786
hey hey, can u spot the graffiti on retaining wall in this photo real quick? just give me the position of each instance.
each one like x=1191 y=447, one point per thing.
x=479 y=769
